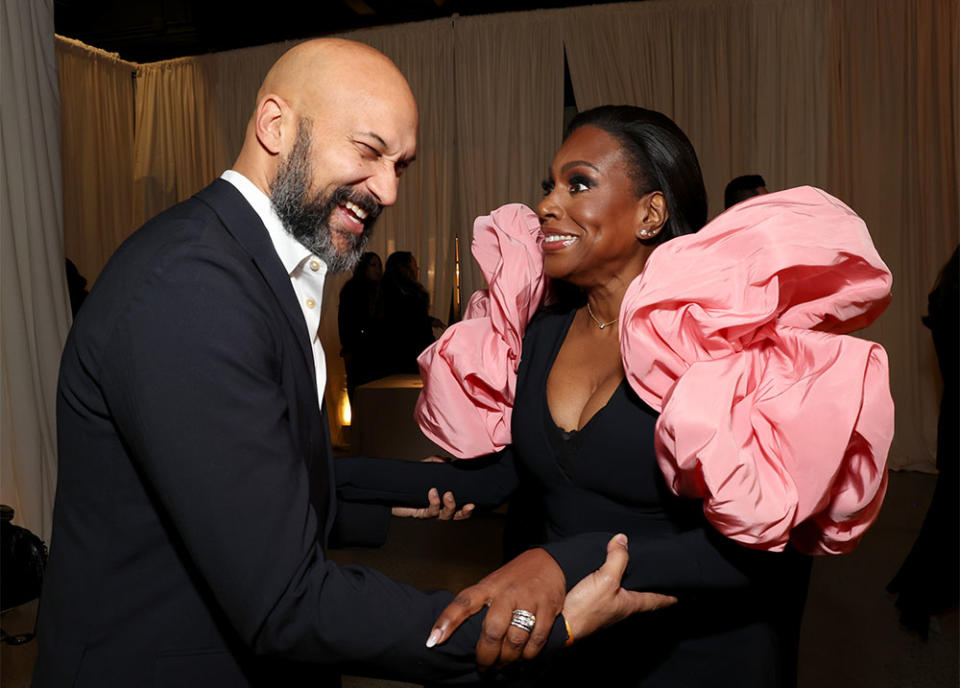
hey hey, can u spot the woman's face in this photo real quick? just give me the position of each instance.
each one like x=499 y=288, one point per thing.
x=590 y=215
x=374 y=269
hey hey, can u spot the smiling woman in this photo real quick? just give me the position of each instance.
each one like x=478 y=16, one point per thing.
x=633 y=379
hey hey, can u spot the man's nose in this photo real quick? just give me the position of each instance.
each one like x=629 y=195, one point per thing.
x=384 y=185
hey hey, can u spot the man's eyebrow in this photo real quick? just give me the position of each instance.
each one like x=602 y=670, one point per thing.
x=376 y=136
x=574 y=163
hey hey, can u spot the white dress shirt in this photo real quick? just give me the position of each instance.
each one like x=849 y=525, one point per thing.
x=307 y=271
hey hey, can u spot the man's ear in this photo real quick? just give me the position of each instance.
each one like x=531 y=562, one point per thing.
x=272 y=123
x=652 y=214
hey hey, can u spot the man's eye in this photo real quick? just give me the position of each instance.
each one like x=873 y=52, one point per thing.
x=370 y=150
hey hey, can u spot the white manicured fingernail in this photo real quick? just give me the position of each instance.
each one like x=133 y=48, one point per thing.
x=434 y=637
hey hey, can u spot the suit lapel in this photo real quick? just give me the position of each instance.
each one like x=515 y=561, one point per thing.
x=243 y=223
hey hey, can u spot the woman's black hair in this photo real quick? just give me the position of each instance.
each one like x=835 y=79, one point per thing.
x=360 y=272
x=661 y=158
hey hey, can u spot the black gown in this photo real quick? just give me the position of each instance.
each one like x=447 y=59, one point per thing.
x=738 y=615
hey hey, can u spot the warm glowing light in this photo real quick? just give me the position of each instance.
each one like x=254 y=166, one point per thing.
x=346 y=414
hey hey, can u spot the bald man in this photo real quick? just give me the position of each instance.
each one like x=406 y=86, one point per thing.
x=195 y=495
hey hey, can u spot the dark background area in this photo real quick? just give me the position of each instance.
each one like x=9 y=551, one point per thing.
x=151 y=30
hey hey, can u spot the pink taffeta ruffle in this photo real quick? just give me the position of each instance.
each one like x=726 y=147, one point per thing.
x=470 y=373
x=770 y=413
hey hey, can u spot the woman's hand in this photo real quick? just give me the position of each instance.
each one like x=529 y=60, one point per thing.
x=444 y=510
x=598 y=600
x=534 y=582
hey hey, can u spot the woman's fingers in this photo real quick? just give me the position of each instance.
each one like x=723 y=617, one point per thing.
x=467 y=603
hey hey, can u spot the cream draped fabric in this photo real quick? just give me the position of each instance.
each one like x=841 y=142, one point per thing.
x=191 y=115
x=509 y=85
x=856 y=97
x=422 y=219
x=859 y=97
x=35 y=311
x=98 y=150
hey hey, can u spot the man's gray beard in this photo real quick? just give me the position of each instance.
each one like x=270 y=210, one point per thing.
x=307 y=218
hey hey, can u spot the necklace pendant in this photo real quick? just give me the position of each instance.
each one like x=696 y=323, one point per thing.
x=602 y=325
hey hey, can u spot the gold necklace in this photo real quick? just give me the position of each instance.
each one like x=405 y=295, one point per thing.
x=597 y=320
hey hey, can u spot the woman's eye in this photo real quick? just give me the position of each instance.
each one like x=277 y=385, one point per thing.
x=578 y=184
x=547 y=186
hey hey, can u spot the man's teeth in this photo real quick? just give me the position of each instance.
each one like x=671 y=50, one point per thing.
x=356 y=210
x=550 y=238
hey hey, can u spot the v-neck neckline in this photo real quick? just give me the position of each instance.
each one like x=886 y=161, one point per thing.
x=568 y=435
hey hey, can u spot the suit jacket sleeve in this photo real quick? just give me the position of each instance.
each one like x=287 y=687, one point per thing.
x=193 y=382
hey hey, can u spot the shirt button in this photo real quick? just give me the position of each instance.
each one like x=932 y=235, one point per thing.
x=311 y=303
x=314 y=265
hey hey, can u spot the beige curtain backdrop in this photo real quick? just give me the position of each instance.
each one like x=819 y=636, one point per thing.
x=893 y=159
x=421 y=221
x=855 y=96
x=35 y=313
x=743 y=79
x=97 y=153
x=190 y=118
x=509 y=87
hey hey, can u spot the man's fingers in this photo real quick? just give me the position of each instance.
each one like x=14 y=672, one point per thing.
x=617 y=557
x=634 y=602
x=465 y=512
x=464 y=605
x=448 y=508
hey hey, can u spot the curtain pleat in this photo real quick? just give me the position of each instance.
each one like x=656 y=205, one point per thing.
x=33 y=299
x=857 y=96
x=509 y=109
x=97 y=152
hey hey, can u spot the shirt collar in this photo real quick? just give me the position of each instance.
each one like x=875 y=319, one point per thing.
x=292 y=253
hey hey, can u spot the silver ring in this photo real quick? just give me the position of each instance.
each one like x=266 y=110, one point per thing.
x=523 y=620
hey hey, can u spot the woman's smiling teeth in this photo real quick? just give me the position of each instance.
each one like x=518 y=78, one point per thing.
x=562 y=238
x=356 y=210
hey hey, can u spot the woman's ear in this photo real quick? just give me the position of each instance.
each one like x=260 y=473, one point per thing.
x=652 y=214
x=272 y=122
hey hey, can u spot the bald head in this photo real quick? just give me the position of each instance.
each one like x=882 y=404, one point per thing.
x=320 y=72
x=334 y=127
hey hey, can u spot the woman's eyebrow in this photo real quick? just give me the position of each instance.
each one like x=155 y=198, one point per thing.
x=574 y=163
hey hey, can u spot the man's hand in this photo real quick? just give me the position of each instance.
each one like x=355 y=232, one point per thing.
x=533 y=582
x=598 y=600
x=444 y=510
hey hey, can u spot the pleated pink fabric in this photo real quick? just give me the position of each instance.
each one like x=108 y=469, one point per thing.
x=770 y=413
x=470 y=373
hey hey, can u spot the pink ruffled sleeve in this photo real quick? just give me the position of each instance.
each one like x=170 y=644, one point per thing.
x=470 y=373
x=770 y=413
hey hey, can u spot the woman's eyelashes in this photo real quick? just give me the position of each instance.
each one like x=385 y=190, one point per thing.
x=575 y=184
x=578 y=183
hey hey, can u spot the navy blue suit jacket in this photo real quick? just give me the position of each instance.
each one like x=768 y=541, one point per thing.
x=195 y=495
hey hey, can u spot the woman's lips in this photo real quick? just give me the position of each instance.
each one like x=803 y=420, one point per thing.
x=557 y=242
